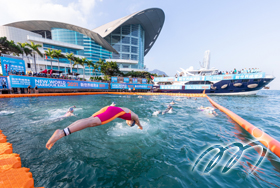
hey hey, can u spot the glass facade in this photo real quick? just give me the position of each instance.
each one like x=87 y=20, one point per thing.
x=128 y=40
x=92 y=50
x=63 y=49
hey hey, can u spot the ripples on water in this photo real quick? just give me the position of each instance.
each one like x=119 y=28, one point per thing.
x=162 y=155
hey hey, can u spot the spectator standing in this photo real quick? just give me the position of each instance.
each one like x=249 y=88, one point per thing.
x=4 y=84
x=29 y=89
x=36 y=89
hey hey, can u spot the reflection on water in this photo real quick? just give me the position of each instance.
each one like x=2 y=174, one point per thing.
x=162 y=155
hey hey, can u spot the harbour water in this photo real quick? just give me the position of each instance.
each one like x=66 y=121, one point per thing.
x=161 y=155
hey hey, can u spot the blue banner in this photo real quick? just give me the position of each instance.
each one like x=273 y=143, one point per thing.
x=118 y=86
x=4 y=82
x=134 y=80
x=170 y=87
x=197 y=86
x=11 y=64
x=144 y=81
x=164 y=79
x=114 y=79
x=126 y=86
x=25 y=81
x=212 y=78
x=126 y=80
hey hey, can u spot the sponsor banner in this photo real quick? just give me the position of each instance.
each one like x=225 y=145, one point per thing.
x=143 y=86
x=164 y=79
x=118 y=86
x=134 y=80
x=114 y=79
x=144 y=81
x=126 y=80
x=11 y=64
x=170 y=87
x=126 y=86
x=213 y=77
x=197 y=87
x=20 y=81
x=25 y=81
x=4 y=81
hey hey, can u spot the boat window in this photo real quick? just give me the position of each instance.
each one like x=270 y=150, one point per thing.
x=256 y=80
x=245 y=80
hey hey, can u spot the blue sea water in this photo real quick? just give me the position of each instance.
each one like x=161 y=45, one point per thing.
x=161 y=155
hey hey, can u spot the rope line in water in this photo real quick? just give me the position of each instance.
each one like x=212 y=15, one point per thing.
x=271 y=143
x=97 y=93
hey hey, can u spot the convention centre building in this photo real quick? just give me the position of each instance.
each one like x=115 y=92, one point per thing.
x=125 y=41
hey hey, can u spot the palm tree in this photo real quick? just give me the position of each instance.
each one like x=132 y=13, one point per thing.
x=25 y=50
x=50 y=53
x=89 y=63
x=71 y=58
x=77 y=61
x=4 y=45
x=83 y=62
x=14 y=48
x=58 y=54
x=34 y=49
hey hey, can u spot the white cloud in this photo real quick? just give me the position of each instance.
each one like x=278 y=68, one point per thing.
x=76 y=13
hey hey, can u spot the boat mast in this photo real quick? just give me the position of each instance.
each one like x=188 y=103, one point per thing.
x=206 y=59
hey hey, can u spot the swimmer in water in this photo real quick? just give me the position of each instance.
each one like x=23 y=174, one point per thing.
x=172 y=102
x=70 y=112
x=103 y=116
x=113 y=104
x=139 y=96
x=156 y=113
x=210 y=110
x=167 y=109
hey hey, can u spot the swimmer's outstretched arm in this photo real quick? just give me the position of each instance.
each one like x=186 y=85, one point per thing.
x=74 y=127
x=136 y=119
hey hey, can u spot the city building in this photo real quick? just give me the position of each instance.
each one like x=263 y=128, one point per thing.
x=125 y=41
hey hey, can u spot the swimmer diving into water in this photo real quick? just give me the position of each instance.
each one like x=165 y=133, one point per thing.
x=103 y=116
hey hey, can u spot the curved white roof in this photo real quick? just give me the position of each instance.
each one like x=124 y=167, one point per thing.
x=35 y=25
x=150 y=19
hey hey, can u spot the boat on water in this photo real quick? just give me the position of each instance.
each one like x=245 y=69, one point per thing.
x=213 y=81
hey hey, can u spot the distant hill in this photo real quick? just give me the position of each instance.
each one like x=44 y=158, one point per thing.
x=158 y=72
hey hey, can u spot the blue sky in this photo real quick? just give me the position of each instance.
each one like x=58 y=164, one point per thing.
x=239 y=33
